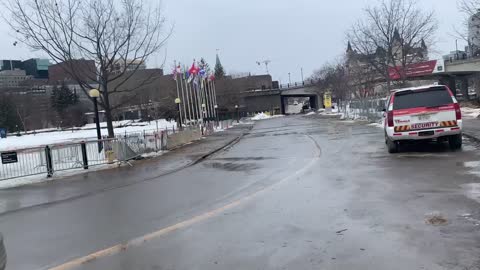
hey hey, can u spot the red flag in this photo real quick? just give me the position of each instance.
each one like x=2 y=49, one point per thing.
x=193 y=70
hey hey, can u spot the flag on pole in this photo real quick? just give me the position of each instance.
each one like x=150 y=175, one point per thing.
x=176 y=71
x=192 y=72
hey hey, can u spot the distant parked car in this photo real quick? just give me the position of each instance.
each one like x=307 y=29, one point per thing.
x=3 y=254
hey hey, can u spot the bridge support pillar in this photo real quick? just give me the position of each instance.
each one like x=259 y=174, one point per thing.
x=314 y=102
x=450 y=82
x=464 y=87
x=283 y=100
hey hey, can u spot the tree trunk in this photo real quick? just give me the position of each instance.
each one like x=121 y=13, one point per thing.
x=108 y=111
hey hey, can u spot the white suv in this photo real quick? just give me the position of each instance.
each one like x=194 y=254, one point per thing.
x=422 y=113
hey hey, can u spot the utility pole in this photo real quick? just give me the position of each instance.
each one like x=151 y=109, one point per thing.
x=265 y=62
x=289 y=79
x=456 y=49
x=301 y=72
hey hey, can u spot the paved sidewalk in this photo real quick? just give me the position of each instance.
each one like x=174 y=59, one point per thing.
x=93 y=182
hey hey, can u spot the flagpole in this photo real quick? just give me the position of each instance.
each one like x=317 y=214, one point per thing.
x=183 y=98
x=205 y=99
x=189 y=100
x=212 y=105
x=209 y=96
x=192 y=98
x=215 y=97
x=199 y=103
x=178 y=94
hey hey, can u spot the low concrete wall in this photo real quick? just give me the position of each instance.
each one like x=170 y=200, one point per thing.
x=183 y=137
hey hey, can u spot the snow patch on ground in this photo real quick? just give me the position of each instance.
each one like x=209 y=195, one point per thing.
x=310 y=113
x=378 y=125
x=470 y=112
x=263 y=116
x=85 y=133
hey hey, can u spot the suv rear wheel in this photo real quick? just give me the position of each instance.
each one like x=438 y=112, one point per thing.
x=455 y=141
x=392 y=146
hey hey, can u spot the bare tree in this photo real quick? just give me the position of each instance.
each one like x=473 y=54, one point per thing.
x=118 y=35
x=333 y=78
x=390 y=35
x=470 y=8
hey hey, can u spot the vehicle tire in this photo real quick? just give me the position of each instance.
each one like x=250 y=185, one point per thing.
x=392 y=146
x=455 y=142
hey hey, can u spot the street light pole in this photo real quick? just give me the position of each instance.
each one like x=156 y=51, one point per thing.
x=204 y=113
x=178 y=101
x=216 y=113
x=238 y=116
x=289 y=79
x=301 y=72
x=456 y=49
x=95 y=94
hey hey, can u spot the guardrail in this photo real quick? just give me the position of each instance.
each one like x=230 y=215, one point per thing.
x=296 y=84
x=85 y=154
x=81 y=155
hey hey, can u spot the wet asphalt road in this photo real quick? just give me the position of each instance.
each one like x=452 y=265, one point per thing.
x=295 y=193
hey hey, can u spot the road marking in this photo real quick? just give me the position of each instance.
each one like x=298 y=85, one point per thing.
x=186 y=223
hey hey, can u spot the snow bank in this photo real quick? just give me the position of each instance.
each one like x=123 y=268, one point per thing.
x=85 y=133
x=261 y=116
x=470 y=112
x=378 y=125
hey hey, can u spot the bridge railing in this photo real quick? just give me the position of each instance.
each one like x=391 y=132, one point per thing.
x=296 y=84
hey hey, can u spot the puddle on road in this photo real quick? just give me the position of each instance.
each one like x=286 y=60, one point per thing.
x=472 y=191
x=232 y=167
x=243 y=158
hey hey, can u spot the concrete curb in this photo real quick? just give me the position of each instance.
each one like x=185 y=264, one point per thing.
x=196 y=161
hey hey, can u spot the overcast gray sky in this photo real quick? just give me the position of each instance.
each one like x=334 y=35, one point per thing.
x=292 y=34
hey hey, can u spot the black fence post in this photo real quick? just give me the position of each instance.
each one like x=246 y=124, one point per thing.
x=48 y=156
x=84 y=155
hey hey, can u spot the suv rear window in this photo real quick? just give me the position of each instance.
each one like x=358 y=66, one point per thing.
x=428 y=97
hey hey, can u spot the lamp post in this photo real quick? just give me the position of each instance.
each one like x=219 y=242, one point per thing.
x=178 y=101
x=456 y=49
x=204 y=112
x=238 y=116
x=216 y=113
x=95 y=94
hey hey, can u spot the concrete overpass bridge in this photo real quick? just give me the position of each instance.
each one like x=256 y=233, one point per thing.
x=277 y=99
x=451 y=73
x=455 y=74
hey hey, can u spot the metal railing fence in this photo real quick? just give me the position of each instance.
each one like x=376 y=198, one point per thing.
x=369 y=109
x=82 y=155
